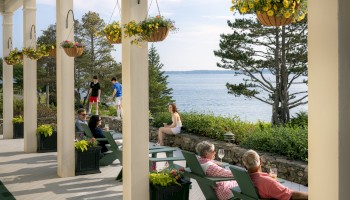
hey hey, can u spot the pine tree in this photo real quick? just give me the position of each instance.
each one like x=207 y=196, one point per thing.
x=254 y=50
x=159 y=93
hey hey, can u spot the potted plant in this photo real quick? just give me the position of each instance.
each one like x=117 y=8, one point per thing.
x=47 y=139
x=18 y=127
x=113 y=33
x=272 y=12
x=72 y=49
x=36 y=53
x=87 y=155
x=15 y=57
x=152 y=29
x=169 y=183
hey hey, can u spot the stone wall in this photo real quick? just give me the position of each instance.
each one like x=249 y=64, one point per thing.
x=295 y=171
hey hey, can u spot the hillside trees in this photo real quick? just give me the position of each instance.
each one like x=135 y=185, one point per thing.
x=159 y=93
x=256 y=51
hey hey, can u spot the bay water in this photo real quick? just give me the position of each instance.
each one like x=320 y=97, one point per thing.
x=206 y=92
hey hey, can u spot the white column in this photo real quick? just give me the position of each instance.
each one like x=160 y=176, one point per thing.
x=135 y=109
x=329 y=100
x=29 y=78
x=65 y=92
x=7 y=76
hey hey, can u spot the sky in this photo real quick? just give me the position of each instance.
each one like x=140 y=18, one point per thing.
x=200 y=23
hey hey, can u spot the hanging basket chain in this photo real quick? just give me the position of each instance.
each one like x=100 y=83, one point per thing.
x=67 y=23
x=150 y=4
x=158 y=7
x=117 y=4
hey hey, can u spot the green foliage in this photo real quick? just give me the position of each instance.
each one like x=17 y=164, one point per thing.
x=45 y=129
x=36 y=53
x=167 y=176
x=71 y=44
x=17 y=119
x=159 y=93
x=46 y=111
x=208 y=125
x=18 y=107
x=289 y=142
x=83 y=143
x=300 y=120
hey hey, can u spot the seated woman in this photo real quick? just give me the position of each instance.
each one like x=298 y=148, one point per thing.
x=97 y=132
x=212 y=168
x=174 y=128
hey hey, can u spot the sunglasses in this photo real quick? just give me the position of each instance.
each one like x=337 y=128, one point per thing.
x=83 y=114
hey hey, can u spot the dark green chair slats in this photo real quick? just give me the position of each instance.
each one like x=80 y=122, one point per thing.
x=114 y=151
x=195 y=171
x=245 y=189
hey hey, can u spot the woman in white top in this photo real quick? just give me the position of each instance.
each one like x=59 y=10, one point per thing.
x=174 y=128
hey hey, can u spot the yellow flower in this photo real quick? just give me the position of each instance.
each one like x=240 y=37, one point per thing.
x=268 y=1
x=270 y=13
x=286 y=14
x=251 y=6
x=301 y=17
x=256 y=1
x=275 y=7
x=232 y=8
x=269 y=5
x=243 y=9
x=265 y=9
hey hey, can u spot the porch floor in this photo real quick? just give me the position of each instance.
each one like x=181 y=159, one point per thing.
x=33 y=176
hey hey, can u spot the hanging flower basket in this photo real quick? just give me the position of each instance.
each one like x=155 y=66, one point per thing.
x=158 y=35
x=72 y=49
x=271 y=12
x=113 y=32
x=36 y=53
x=111 y=41
x=266 y=20
x=74 y=52
x=152 y=29
x=52 y=53
x=15 y=57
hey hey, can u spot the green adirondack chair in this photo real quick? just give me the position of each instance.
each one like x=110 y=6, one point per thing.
x=245 y=189
x=195 y=171
x=114 y=151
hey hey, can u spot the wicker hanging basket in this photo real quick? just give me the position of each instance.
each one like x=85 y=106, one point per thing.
x=159 y=35
x=74 y=52
x=266 y=20
x=52 y=53
x=111 y=41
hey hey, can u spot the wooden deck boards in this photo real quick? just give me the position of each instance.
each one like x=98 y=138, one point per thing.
x=33 y=176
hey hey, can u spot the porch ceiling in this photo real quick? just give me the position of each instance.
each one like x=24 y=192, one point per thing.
x=10 y=5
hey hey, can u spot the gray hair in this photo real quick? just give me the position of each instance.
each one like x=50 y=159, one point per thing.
x=251 y=159
x=203 y=148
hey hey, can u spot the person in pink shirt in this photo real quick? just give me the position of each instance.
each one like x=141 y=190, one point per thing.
x=266 y=186
x=212 y=168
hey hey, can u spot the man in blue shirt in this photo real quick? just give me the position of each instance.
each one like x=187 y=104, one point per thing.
x=117 y=93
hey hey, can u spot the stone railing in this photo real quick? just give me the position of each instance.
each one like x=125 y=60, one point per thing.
x=295 y=171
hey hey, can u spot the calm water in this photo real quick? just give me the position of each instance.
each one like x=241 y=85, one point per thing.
x=206 y=92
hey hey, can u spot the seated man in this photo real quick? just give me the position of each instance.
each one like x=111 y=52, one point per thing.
x=266 y=186
x=81 y=119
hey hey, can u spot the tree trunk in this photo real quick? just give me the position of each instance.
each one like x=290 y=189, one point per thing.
x=47 y=95
x=276 y=96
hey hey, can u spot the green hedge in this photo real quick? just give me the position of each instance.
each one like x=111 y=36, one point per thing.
x=290 y=142
x=208 y=125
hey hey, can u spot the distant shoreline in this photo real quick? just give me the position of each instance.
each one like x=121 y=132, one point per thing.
x=202 y=72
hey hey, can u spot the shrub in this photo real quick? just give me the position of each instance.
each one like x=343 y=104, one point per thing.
x=300 y=120
x=289 y=142
x=208 y=125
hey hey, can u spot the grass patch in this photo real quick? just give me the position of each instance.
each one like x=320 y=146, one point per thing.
x=5 y=194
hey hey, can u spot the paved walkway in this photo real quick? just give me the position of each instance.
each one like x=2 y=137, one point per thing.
x=33 y=176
